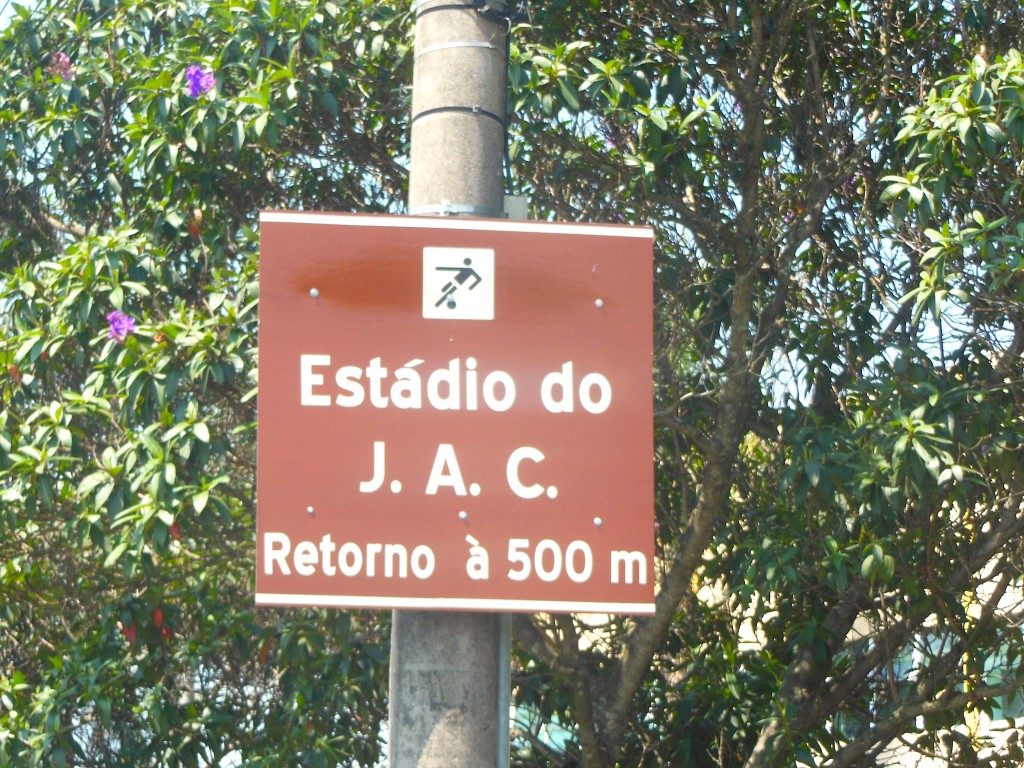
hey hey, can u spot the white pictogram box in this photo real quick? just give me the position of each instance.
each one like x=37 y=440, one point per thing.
x=458 y=283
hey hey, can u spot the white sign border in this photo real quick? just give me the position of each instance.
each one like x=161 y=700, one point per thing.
x=452 y=603
x=447 y=222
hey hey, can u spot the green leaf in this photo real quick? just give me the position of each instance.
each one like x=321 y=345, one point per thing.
x=331 y=103
x=103 y=704
x=813 y=469
x=569 y=95
x=91 y=482
x=137 y=288
x=260 y=123
x=867 y=566
x=921 y=450
x=887 y=568
x=154 y=447
x=894 y=190
x=115 y=554
x=995 y=131
x=963 y=127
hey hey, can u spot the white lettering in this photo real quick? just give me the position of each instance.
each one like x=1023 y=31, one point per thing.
x=449 y=378
x=519 y=455
x=557 y=395
x=350 y=559
x=579 y=575
x=376 y=374
x=395 y=554
x=352 y=392
x=407 y=392
x=308 y=379
x=422 y=562
x=377 y=479
x=305 y=558
x=326 y=550
x=471 y=382
x=478 y=566
x=633 y=563
x=517 y=555
x=543 y=572
x=372 y=550
x=562 y=382
x=446 y=472
x=492 y=381
x=275 y=549
x=456 y=386
x=604 y=394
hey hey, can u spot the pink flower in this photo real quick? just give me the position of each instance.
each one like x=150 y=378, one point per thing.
x=60 y=65
x=119 y=325
x=200 y=80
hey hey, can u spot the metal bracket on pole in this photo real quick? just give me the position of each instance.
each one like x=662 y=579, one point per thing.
x=516 y=207
x=456 y=44
x=471 y=110
x=418 y=11
x=450 y=209
x=495 y=10
x=500 y=10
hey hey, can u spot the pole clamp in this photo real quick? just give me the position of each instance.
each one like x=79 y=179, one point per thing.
x=495 y=10
x=501 y=10
x=456 y=44
x=446 y=208
x=418 y=10
x=471 y=110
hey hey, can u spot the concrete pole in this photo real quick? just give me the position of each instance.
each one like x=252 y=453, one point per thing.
x=458 y=108
x=449 y=687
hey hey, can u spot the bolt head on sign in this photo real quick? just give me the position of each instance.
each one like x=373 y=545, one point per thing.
x=455 y=414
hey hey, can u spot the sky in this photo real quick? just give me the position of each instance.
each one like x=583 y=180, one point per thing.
x=6 y=11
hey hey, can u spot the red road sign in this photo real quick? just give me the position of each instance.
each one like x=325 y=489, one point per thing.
x=454 y=414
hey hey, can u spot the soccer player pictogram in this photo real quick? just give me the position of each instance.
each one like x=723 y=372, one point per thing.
x=462 y=275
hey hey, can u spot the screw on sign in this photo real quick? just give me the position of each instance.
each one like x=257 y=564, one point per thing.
x=462 y=419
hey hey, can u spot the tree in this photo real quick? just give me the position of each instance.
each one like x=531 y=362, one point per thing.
x=840 y=326
x=839 y=362
x=137 y=141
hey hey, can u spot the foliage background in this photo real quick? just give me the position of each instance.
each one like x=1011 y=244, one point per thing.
x=837 y=193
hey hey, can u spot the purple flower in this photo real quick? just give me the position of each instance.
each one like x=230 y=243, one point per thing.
x=119 y=325
x=60 y=65
x=200 y=80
